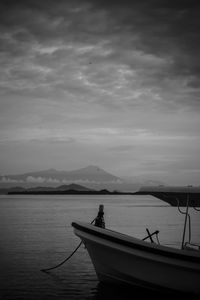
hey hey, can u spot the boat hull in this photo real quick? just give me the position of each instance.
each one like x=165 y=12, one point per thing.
x=123 y=259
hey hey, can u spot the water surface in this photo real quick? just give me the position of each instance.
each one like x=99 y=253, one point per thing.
x=36 y=233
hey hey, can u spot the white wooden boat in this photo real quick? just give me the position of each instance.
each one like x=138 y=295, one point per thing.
x=121 y=258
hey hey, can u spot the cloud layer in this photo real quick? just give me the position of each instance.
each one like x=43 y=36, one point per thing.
x=92 y=81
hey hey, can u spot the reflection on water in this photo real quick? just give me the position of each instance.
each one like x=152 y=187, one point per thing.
x=36 y=233
x=104 y=291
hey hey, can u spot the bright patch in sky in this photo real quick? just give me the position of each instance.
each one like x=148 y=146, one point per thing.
x=109 y=83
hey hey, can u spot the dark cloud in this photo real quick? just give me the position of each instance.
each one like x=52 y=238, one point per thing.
x=102 y=81
x=158 y=39
x=169 y=28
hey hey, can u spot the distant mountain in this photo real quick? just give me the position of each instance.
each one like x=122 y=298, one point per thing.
x=92 y=177
x=90 y=173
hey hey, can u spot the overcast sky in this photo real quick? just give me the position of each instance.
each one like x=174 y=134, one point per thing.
x=108 y=83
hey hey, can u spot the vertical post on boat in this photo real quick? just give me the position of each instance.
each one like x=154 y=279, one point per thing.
x=99 y=221
x=185 y=223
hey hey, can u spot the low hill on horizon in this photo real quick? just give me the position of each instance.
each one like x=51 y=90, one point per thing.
x=43 y=189
x=91 y=177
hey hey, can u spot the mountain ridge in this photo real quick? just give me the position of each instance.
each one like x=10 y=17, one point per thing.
x=92 y=177
x=88 y=171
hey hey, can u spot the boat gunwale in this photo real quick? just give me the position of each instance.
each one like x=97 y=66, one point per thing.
x=135 y=243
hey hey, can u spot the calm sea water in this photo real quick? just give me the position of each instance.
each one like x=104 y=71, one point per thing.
x=36 y=233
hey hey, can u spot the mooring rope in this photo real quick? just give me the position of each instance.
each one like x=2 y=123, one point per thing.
x=66 y=259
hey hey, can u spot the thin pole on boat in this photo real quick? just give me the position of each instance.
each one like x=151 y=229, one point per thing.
x=99 y=220
x=185 y=223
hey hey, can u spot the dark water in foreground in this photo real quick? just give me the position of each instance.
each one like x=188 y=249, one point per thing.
x=36 y=233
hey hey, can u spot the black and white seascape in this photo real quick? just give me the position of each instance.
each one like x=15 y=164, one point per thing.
x=97 y=98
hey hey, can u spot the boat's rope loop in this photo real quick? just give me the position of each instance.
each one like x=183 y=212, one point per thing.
x=99 y=222
x=66 y=259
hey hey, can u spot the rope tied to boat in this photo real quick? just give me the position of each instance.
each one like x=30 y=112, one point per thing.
x=99 y=222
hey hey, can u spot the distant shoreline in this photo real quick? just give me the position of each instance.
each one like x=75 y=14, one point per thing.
x=69 y=192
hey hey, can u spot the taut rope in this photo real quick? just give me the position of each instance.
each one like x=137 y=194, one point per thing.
x=66 y=259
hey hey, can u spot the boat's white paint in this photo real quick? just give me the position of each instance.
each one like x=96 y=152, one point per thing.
x=117 y=262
